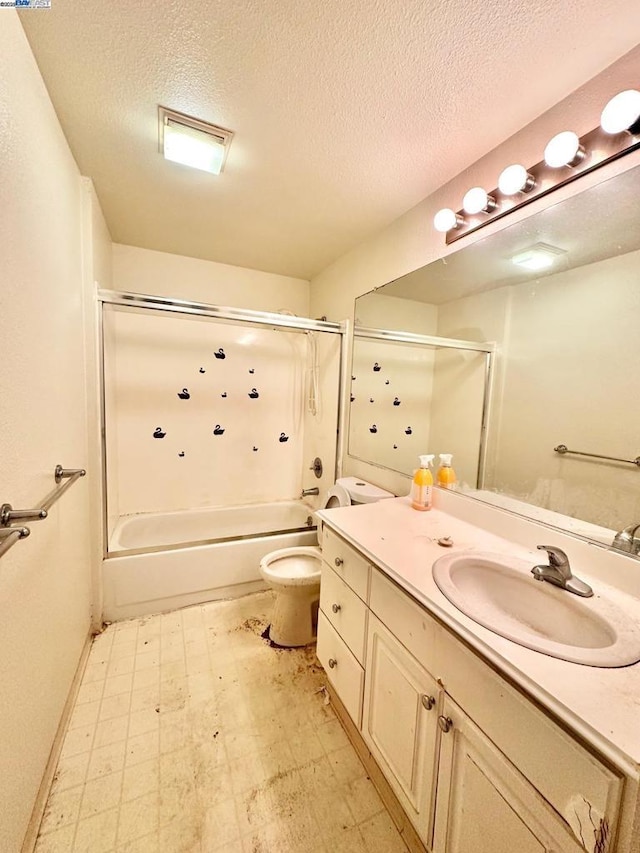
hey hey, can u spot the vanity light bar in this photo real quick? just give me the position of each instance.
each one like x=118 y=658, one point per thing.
x=566 y=157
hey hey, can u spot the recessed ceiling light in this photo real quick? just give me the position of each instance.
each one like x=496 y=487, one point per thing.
x=192 y=142
x=538 y=257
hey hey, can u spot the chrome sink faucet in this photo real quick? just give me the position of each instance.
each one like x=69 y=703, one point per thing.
x=558 y=572
x=626 y=540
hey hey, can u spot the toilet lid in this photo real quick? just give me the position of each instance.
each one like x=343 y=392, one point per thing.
x=337 y=496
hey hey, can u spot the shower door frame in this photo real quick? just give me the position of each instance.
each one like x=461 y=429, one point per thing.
x=244 y=316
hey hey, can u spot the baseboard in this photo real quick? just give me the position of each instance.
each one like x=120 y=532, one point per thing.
x=387 y=794
x=35 y=820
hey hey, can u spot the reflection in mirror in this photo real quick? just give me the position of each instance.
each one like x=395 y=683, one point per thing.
x=414 y=397
x=567 y=351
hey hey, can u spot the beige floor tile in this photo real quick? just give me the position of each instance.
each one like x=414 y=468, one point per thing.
x=101 y=794
x=305 y=746
x=220 y=825
x=114 y=706
x=120 y=666
x=97 y=834
x=138 y=818
x=60 y=841
x=140 y=722
x=349 y=841
x=142 y=747
x=118 y=684
x=332 y=735
x=381 y=836
x=84 y=715
x=111 y=731
x=71 y=771
x=62 y=809
x=141 y=779
x=106 y=759
x=362 y=798
x=346 y=765
x=332 y=812
x=147 y=844
x=78 y=740
x=90 y=692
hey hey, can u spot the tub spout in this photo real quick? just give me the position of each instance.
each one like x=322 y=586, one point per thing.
x=308 y=492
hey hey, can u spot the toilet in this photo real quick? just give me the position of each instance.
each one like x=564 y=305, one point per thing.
x=294 y=573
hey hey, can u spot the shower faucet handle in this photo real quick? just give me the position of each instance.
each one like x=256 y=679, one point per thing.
x=316 y=467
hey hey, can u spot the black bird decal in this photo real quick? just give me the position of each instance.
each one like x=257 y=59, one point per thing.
x=373 y=428
x=408 y=430
x=220 y=353
x=386 y=382
x=352 y=398
x=158 y=433
x=395 y=446
x=218 y=430
x=376 y=368
x=181 y=453
x=251 y=370
x=396 y=402
x=202 y=370
x=371 y=399
x=283 y=437
x=254 y=448
x=224 y=394
x=184 y=394
x=353 y=378
x=254 y=394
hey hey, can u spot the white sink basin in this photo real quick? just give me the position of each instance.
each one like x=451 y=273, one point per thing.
x=499 y=592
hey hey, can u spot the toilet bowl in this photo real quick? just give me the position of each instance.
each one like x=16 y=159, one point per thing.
x=294 y=573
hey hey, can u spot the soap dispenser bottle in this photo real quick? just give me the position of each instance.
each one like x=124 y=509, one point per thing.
x=422 y=485
x=446 y=476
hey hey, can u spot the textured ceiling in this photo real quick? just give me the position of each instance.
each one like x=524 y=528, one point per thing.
x=346 y=112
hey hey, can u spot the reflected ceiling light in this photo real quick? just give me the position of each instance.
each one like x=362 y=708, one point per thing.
x=538 y=257
x=192 y=142
x=477 y=200
x=622 y=113
x=446 y=219
x=563 y=149
x=515 y=179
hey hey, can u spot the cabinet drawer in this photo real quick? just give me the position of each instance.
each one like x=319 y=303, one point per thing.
x=343 y=670
x=350 y=565
x=406 y=619
x=346 y=612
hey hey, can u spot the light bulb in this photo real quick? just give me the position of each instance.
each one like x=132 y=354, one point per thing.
x=446 y=219
x=563 y=149
x=477 y=200
x=622 y=113
x=515 y=179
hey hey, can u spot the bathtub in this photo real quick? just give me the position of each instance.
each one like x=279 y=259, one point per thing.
x=162 y=561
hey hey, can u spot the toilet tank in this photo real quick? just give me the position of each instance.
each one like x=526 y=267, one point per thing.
x=362 y=492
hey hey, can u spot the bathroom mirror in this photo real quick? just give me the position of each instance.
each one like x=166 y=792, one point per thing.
x=564 y=374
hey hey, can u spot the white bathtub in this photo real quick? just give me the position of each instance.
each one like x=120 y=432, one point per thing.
x=161 y=561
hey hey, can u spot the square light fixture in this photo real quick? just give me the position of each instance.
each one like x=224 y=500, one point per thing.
x=538 y=257
x=192 y=142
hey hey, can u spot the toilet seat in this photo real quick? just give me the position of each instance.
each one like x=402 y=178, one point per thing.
x=337 y=496
x=292 y=566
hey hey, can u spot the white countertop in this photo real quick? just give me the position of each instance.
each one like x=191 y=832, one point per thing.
x=600 y=704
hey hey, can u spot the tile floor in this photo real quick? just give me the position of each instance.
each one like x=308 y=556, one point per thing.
x=190 y=733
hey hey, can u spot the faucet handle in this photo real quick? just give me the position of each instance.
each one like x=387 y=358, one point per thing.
x=557 y=557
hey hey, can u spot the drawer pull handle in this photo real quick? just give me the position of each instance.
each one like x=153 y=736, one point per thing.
x=332 y=663
x=428 y=702
x=445 y=723
x=338 y=561
x=336 y=608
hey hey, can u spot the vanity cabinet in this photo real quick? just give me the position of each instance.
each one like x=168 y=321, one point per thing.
x=401 y=706
x=476 y=765
x=484 y=804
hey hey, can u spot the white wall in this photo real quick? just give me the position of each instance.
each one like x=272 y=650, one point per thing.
x=45 y=581
x=160 y=273
x=411 y=242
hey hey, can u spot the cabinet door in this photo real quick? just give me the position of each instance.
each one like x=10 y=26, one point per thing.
x=400 y=723
x=483 y=804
